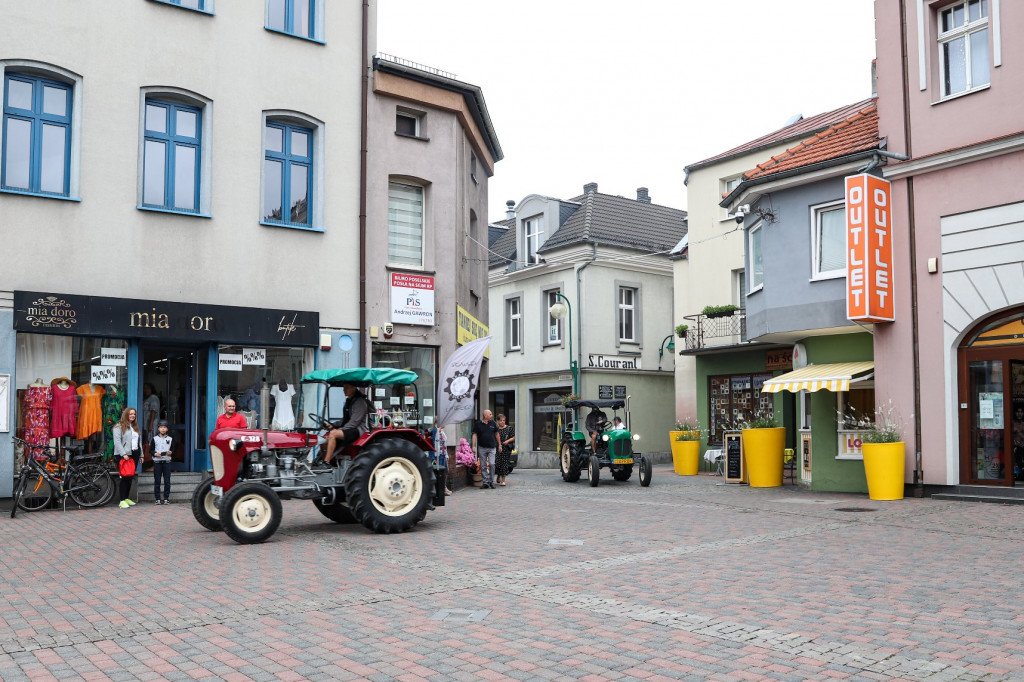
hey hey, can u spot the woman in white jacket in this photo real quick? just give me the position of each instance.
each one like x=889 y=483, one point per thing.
x=127 y=443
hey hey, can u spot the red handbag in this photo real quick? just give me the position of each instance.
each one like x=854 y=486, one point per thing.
x=126 y=467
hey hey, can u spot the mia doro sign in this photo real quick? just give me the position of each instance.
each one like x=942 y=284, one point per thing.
x=48 y=313
x=613 y=361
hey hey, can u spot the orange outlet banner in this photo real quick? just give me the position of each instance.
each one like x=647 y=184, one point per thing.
x=869 y=262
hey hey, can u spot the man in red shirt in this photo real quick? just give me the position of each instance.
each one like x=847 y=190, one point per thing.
x=230 y=418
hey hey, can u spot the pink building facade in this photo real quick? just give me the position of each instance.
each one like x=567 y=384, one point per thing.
x=952 y=363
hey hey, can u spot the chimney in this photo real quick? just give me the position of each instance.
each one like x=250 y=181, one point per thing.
x=589 y=187
x=641 y=195
x=510 y=209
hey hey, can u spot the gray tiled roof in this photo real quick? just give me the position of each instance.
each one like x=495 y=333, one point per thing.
x=496 y=229
x=502 y=249
x=618 y=221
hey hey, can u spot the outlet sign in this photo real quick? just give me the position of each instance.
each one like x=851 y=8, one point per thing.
x=869 y=260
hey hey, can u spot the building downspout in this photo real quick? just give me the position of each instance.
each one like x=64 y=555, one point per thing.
x=363 y=108
x=912 y=232
x=579 y=309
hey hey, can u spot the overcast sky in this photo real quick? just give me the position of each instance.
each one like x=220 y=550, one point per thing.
x=626 y=94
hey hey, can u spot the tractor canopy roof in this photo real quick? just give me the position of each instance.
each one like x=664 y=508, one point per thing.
x=613 y=404
x=362 y=376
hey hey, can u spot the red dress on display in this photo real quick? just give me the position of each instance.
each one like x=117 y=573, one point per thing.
x=65 y=411
x=37 y=414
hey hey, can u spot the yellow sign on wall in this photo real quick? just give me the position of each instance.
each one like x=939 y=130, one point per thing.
x=468 y=328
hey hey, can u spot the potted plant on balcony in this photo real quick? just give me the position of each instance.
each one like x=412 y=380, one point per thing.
x=719 y=310
x=681 y=330
x=884 y=451
x=686 y=447
x=764 y=444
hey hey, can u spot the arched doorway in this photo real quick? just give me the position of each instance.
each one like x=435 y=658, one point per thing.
x=990 y=364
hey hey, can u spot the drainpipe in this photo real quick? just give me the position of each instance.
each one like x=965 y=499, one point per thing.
x=579 y=309
x=363 y=106
x=912 y=232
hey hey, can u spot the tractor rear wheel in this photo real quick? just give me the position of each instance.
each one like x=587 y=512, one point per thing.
x=622 y=473
x=571 y=460
x=389 y=485
x=336 y=512
x=250 y=513
x=203 y=507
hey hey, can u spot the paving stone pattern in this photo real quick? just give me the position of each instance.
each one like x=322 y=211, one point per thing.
x=541 y=580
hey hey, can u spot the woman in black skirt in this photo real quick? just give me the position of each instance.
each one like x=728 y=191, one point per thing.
x=506 y=441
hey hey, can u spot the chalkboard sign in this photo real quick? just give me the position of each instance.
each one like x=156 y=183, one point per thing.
x=620 y=392
x=734 y=472
x=604 y=392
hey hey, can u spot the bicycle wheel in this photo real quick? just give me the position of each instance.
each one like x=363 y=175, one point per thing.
x=91 y=485
x=35 y=492
x=16 y=497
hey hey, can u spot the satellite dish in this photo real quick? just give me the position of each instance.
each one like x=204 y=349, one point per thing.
x=793 y=119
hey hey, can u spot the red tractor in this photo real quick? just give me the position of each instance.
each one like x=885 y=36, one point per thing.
x=384 y=480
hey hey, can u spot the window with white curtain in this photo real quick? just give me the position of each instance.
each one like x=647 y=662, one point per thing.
x=514 y=323
x=963 y=39
x=405 y=224
x=755 y=258
x=828 y=240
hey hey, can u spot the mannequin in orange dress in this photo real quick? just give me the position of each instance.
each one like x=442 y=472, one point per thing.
x=90 y=411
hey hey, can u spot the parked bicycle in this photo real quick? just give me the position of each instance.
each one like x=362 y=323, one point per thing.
x=83 y=478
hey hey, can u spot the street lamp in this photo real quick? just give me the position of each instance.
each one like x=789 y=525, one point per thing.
x=671 y=348
x=560 y=311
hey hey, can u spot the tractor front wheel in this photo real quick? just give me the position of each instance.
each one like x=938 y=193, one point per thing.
x=645 y=471
x=594 y=471
x=204 y=507
x=389 y=485
x=250 y=513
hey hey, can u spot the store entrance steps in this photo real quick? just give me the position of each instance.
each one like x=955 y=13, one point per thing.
x=982 y=493
x=183 y=484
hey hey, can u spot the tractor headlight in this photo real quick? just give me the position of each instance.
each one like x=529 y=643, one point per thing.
x=605 y=438
x=636 y=436
x=234 y=444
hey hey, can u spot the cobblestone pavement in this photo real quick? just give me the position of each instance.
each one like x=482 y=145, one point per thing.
x=540 y=580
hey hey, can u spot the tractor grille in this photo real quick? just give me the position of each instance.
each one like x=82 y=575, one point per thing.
x=622 y=448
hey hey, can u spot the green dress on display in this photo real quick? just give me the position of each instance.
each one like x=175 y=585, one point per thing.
x=113 y=406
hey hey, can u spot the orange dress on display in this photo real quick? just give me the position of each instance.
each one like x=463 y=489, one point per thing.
x=90 y=412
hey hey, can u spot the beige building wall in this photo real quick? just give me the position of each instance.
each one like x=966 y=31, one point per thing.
x=716 y=251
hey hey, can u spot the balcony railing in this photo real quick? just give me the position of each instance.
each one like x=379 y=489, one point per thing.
x=706 y=331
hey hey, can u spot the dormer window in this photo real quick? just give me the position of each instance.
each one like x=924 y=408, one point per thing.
x=532 y=232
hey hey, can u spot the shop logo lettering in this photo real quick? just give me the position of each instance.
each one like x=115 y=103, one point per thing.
x=51 y=311
x=288 y=327
x=155 y=320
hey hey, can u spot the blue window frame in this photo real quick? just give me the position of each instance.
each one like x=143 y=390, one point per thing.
x=172 y=151
x=36 y=151
x=297 y=17
x=287 y=174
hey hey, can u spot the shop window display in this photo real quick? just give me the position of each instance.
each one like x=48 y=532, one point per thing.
x=243 y=372
x=71 y=390
x=402 y=404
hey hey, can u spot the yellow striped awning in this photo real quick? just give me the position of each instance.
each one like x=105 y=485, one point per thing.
x=835 y=377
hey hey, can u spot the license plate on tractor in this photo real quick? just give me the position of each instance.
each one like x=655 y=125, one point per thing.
x=623 y=461
x=216 y=490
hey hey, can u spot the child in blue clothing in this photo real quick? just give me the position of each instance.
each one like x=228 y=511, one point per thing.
x=161 y=445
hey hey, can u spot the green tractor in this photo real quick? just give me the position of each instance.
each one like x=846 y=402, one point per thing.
x=599 y=442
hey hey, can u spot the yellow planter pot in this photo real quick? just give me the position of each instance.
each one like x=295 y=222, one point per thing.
x=686 y=457
x=884 y=467
x=763 y=450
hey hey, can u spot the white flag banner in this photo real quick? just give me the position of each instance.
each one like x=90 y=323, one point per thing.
x=459 y=381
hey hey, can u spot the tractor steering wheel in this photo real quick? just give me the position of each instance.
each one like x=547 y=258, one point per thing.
x=320 y=422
